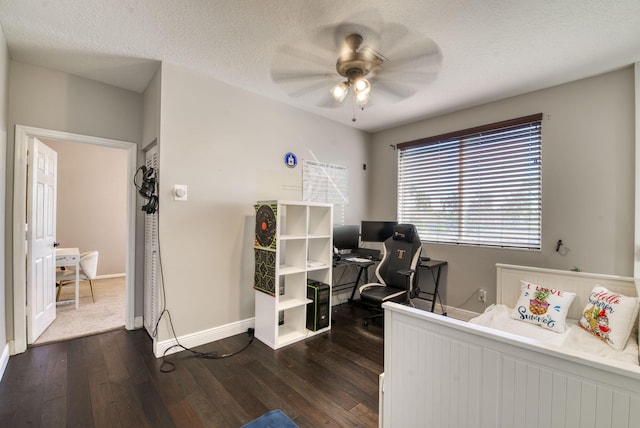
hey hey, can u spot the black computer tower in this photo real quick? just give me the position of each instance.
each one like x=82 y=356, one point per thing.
x=318 y=309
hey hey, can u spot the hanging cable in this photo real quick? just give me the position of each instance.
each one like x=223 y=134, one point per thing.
x=167 y=366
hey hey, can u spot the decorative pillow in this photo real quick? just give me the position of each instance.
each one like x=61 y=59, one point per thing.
x=610 y=316
x=545 y=307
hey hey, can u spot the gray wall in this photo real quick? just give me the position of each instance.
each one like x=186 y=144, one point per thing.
x=4 y=93
x=587 y=172
x=92 y=202
x=150 y=134
x=49 y=99
x=228 y=145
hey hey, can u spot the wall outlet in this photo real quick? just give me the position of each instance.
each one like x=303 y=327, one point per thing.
x=482 y=295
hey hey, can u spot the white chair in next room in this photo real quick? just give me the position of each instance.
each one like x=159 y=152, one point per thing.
x=88 y=269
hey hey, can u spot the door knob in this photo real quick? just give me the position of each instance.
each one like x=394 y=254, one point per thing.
x=56 y=244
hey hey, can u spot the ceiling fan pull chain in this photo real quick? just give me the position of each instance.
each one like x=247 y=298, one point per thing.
x=353 y=109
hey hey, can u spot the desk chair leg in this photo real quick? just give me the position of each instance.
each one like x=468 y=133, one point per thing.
x=365 y=320
x=91 y=286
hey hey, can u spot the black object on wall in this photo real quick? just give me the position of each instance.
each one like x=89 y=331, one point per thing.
x=148 y=189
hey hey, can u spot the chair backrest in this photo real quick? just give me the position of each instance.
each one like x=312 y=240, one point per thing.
x=400 y=252
x=89 y=264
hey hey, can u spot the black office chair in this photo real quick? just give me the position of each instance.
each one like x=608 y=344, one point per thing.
x=396 y=272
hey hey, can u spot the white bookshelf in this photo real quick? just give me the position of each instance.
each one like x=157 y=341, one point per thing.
x=303 y=251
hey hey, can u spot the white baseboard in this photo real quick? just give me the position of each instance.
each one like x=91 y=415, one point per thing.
x=138 y=322
x=460 y=314
x=111 y=275
x=340 y=297
x=4 y=360
x=453 y=312
x=203 y=337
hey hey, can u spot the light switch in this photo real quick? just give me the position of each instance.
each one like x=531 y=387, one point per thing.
x=180 y=192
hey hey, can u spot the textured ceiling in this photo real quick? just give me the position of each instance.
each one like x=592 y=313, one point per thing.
x=486 y=50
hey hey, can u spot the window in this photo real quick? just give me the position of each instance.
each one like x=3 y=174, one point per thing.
x=480 y=186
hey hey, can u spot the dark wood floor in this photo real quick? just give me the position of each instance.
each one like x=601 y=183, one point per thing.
x=113 y=380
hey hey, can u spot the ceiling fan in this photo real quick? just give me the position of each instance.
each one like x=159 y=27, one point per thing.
x=373 y=66
x=355 y=64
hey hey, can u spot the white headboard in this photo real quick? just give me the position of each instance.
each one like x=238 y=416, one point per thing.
x=581 y=283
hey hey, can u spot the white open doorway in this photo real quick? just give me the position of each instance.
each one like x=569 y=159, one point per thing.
x=22 y=136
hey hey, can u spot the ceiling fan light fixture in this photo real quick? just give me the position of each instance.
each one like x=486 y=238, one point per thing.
x=362 y=86
x=354 y=64
x=362 y=98
x=340 y=91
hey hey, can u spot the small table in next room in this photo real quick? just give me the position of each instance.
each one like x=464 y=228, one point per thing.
x=70 y=257
x=435 y=267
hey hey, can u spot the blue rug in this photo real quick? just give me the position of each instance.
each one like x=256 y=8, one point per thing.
x=272 y=419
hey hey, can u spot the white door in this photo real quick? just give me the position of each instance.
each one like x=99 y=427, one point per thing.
x=41 y=233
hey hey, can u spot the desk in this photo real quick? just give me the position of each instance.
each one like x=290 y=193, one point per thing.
x=435 y=266
x=363 y=268
x=70 y=257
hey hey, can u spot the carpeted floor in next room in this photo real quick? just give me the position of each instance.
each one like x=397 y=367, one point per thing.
x=107 y=313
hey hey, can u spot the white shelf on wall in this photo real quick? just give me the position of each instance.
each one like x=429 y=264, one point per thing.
x=302 y=251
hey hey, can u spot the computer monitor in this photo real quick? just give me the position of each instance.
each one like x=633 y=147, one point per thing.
x=346 y=237
x=377 y=231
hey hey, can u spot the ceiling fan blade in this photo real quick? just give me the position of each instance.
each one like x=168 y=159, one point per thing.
x=408 y=77
x=413 y=61
x=331 y=38
x=312 y=92
x=401 y=63
x=319 y=96
x=285 y=76
x=323 y=86
x=393 y=91
x=303 y=73
x=294 y=56
x=394 y=36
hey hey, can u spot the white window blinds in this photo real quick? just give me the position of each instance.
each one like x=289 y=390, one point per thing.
x=481 y=186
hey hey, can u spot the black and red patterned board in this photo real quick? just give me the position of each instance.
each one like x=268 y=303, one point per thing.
x=265 y=273
x=265 y=234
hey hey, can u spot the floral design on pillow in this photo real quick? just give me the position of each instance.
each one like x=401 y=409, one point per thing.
x=543 y=306
x=610 y=316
